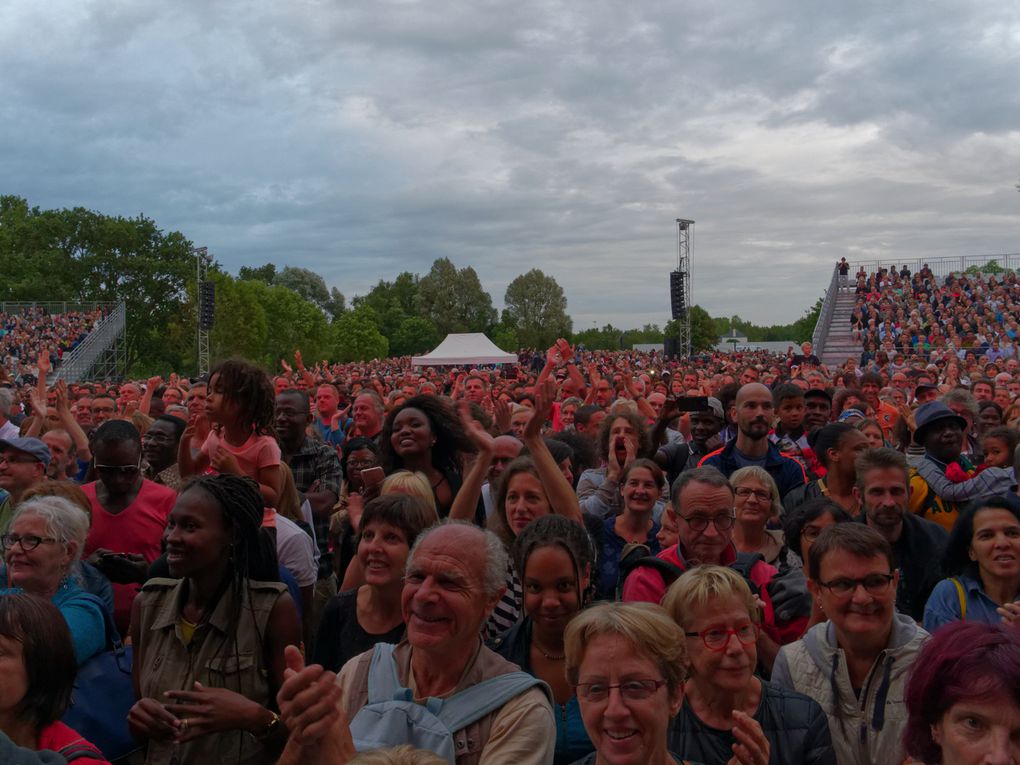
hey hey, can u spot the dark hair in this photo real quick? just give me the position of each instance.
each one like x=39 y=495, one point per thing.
x=647 y=464
x=497 y=518
x=854 y=538
x=47 y=654
x=828 y=437
x=644 y=444
x=962 y=661
x=871 y=377
x=784 y=392
x=583 y=449
x=401 y=511
x=559 y=450
x=1009 y=436
x=451 y=439
x=584 y=413
x=116 y=432
x=176 y=422
x=882 y=458
x=557 y=531
x=251 y=389
x=707 y=475
x=795 y=519
x=956 y=559
x=300 y=394
x=355 y=445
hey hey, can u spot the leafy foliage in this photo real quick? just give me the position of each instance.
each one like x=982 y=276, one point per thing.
x=537 y=308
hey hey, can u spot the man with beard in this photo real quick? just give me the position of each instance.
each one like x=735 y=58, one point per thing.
x=943 y=480
x=753 y=411
x=883 y=495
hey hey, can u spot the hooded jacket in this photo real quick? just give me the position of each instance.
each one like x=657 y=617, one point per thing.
x=865 y=730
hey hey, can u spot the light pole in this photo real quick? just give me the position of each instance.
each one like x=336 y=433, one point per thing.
x=204 y=312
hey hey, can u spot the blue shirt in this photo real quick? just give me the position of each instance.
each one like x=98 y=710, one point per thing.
x=331 y=437
x=84 y=616
x=943 y=605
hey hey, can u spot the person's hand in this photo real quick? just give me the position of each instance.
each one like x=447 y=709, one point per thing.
x=670 y=410
x=153 y=382
x=38 y=403
x=1010 y=613
x=223 y=461
x=211 y=710
x=298 y=361
x=545 y=394
x=130 y=408
x=501 y=414
x=123 y=568
x=60 y=389
x=286 y=367
x=566 y=350
x=153 y=720
x=309 y=702
x=752 y=748
x=478 y=435
x=336 y=419
x=908 y=417
x=43 y=362
x=198 y=429
x=174 y=378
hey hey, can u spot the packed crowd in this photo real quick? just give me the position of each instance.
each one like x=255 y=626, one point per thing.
x=586 y=557
x=34 y=330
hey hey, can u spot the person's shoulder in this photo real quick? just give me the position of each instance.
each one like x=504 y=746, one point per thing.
x=157 y=491
x=790 y=708
x=160 y=584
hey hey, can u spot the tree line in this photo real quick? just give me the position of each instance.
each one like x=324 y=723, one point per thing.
x=265 y=313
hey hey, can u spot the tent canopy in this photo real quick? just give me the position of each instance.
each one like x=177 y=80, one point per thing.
x=469 y=348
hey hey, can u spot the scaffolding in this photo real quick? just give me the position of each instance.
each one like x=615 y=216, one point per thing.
x=681 y=295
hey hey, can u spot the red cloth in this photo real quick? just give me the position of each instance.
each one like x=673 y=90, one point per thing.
x=138 y=529
x=55 y=736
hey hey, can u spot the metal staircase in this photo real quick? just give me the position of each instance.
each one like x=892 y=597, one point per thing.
x=102 y=355
x=832 y=339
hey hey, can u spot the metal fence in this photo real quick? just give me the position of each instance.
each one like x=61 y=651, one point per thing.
x=941 y=266
x=101 y=354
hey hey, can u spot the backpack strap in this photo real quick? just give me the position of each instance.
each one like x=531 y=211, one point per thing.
x=79 y=749
x=670 y=571
x=963 y=598
x=471 y=704
x=743 y=565
x=383 y=683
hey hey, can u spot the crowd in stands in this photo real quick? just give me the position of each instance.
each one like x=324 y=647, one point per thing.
x=26 y=333
x=591 y=557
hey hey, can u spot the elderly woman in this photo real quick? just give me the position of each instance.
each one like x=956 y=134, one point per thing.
x=38 y=669
x=982 y=559
x=727 y=711
x=627 y=663
x=756 y=502
x=963 y=697
x=856 y=664
x=43 y=548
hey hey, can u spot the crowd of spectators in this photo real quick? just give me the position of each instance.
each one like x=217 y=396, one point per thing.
x=33 y=330
x=589 y=556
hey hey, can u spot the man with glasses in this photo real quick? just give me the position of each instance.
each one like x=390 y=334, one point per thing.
x=129 y=514
x=103 y=408
x=701 y=506
x=23 y=464
x=882 y=492
x=856 y=664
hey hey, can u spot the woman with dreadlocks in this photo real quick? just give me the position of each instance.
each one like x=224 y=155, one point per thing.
x=208 y=644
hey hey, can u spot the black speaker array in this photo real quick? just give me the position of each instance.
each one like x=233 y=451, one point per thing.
x=676 y=294
x=206 y=305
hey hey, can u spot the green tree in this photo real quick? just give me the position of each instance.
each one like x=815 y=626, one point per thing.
x=537 y=308
x=703 y=330
x=294 y=324
x=609 y=338
x=312 y=288
x=265 y=274
x=241 y=325
x=415 y=335
x=356 y=337
x=505 y=338
x=453 y=300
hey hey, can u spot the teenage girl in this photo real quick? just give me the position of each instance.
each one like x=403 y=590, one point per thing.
x=235 y=430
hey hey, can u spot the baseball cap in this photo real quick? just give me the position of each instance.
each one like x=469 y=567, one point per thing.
x=30 y=446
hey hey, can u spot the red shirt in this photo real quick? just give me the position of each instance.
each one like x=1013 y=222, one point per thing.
x=138 y=529
x=57 y=737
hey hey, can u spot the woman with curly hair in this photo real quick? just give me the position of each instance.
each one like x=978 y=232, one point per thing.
x=424 y=434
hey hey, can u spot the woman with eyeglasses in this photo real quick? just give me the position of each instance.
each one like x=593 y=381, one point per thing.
x=42 y=549
x=755 y=503
x=129 y=513
x=855 y=664
x=728 y=714
x=627 y=663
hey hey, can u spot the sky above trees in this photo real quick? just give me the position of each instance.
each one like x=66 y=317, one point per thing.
x=363 y=140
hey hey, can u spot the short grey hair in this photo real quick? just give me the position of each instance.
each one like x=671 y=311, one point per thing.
x=496 y=559
x=6 y=400
x=962 y=398
x=707 y=475
x=65 y=521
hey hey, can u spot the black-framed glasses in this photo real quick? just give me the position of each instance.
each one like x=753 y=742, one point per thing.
x=717 y=638
x=874 y=584
x=746 y=493
x=631 y=690
x=722 y=521
x=28 y=542
x=121 y=469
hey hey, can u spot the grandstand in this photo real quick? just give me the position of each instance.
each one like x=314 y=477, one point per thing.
x=920 y=306
x=84 y=340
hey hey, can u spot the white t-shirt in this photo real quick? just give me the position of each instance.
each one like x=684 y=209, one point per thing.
x=296 y=550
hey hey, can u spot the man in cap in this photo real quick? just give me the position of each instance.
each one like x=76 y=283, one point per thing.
x=23 y=463
x=674 y=457
x=943 y=480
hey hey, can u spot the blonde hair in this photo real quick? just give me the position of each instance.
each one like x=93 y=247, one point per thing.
x=414 y=484
x=761 y=475
x=645 y=625
x=404 y=754
x=703 y=586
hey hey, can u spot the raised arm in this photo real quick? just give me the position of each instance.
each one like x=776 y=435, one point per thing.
x=466 y=501
x=561 y=494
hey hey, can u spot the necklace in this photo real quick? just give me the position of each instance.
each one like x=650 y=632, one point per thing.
x=541 y=651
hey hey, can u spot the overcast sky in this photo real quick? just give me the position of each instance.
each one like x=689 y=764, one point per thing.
x=361 y=139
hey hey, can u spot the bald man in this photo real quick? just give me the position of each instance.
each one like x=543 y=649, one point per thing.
x=753 y=413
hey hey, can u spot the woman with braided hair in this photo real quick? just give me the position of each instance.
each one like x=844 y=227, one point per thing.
x=208 y=644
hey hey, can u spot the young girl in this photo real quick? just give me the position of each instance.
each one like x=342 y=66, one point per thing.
x=236 y=430
x=998 y=445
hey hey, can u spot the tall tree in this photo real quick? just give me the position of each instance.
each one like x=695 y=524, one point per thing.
x=265 y=274
x=537 y=308
x=311 y=287
x=453 y=300
x=356 y=336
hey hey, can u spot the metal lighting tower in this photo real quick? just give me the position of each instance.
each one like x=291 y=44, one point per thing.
x=680 y=287
x=204 y=312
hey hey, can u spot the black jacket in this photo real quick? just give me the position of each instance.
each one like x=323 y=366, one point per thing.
x=795 y=726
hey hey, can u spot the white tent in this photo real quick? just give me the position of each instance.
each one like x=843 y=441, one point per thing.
x=472 y=348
